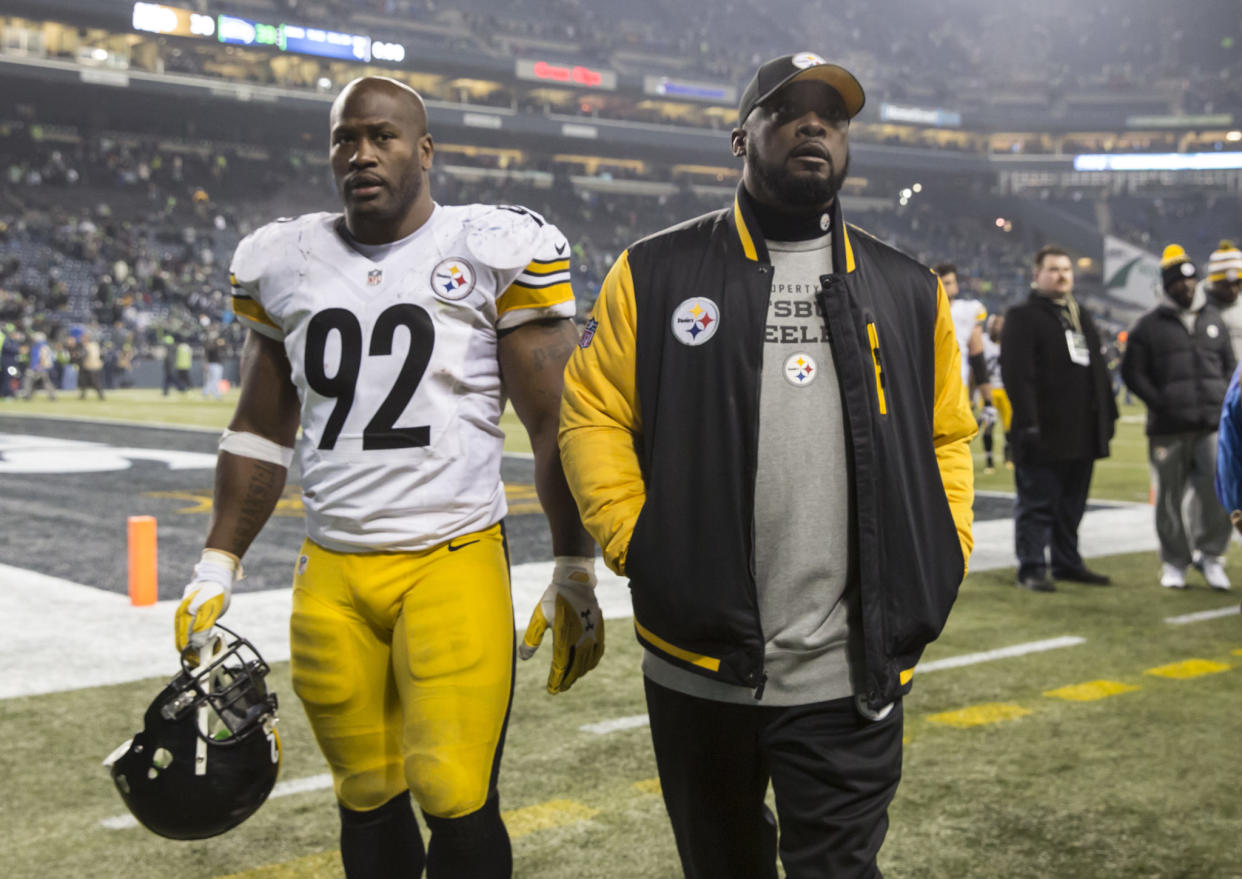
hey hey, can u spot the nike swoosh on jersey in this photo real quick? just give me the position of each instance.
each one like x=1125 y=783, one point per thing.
x=453 y=548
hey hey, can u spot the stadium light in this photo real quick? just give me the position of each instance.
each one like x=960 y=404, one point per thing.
x=1225 y=161
x=918 y=187
x=1233 y=136
x=907 y=192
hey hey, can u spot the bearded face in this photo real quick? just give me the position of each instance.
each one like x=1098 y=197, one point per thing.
x=796 y=145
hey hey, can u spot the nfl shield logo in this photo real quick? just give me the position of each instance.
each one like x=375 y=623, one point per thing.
x=375 y=277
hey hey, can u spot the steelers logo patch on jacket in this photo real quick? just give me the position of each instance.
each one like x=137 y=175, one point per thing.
x=695 y=321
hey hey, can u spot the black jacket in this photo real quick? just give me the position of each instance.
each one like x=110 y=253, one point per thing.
x=659 y=442
x=1061 y=411
x=1181 y=375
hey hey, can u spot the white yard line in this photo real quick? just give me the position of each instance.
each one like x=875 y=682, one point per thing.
x=1202 y=615
x=999 y=653
x=617 y=723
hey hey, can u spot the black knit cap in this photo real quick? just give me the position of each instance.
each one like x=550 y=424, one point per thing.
x=779 y=72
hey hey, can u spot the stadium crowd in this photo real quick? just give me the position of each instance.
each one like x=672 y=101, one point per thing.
x=128 y=236
x=1050 y=55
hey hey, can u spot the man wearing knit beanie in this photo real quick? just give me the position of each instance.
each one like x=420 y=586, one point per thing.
x=1222 y=284
x=1178 y=361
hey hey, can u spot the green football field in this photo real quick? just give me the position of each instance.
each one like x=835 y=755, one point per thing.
x=1114 y=751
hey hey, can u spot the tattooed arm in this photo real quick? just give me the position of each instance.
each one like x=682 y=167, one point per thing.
x=532 y=360
x=247 y=489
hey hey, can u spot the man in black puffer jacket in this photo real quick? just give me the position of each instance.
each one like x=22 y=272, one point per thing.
x=1179 y=361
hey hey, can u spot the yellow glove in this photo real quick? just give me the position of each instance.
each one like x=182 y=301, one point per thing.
x=206 y=598
x=577 y=624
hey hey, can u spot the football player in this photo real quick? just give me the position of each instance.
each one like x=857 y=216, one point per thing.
x=391 y=335
x=968 y=317
x=991 y=355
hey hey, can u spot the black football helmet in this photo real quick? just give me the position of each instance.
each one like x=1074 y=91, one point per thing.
x=208 y=753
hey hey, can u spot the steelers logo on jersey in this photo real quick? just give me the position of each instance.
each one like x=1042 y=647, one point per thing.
x=801 y=369
x=452 y=279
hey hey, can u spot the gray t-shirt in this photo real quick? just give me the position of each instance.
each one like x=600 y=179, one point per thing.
x=802 y=503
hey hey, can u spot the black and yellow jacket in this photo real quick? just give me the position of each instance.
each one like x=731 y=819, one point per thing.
x=659 y=443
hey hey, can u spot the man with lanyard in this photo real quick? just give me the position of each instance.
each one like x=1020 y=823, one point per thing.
x=1053 y=368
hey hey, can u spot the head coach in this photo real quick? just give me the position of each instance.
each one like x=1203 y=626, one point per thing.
x=766 y=430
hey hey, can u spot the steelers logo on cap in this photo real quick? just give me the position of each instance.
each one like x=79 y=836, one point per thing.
x=1187 y=269
x=807 y=59
x=695 y=321
x=800 y=370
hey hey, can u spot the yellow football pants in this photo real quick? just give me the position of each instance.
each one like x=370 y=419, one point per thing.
x=404 y=664
x=1003 y=407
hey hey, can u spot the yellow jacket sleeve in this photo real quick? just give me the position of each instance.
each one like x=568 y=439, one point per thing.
x=953 y=427
x=600 y=420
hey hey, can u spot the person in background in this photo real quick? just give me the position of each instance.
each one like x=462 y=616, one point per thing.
x=1000 y=400
x=38 y=375
x=1178 y=361
x=968 y=319
x=90 y=370
x=169 y=347
x=1064 y=415
x=213 y=365
x=183 y=360
x=10 y=344
x=1221 y=287
x=1229 y=452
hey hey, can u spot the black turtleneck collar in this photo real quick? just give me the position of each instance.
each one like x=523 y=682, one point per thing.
x=781 y=226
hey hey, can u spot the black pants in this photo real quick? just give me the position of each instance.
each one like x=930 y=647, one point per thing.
x=1051 y=500
x=833 y=774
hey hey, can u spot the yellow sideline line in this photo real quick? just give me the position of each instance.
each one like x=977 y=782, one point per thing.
x=988 y=713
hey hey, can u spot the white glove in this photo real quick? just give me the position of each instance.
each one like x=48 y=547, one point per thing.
x=987 y=416
x=206 y=598
x=577 y=623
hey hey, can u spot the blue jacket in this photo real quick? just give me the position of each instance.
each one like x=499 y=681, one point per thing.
x=1229 y=448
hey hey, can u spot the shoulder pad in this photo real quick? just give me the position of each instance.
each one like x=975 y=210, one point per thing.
x=505 y=237
x=274 y=243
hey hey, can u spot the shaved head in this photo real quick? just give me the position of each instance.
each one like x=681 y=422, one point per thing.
x=364 y=86
x=381 y=153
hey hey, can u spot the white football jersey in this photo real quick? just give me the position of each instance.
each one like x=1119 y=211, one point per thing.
x=991 y=354
x=394 y=357
x=967 y=314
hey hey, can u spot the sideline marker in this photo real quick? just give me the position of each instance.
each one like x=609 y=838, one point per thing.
x=143 y=584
